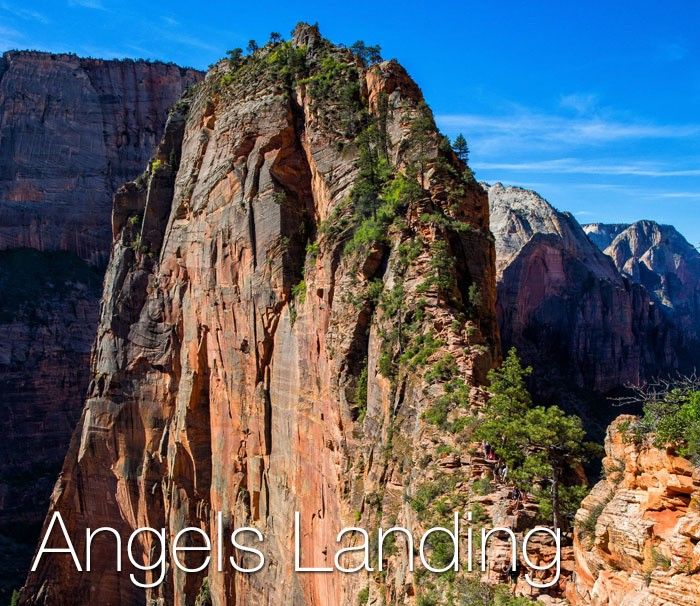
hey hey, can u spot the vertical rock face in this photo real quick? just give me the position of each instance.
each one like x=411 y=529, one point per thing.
x=264 y=336
x=638 y=532
x=565 y=306
x=71 y=130
x=661 y=259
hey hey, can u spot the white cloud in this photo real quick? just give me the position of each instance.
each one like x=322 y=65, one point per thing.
x=24 y=13
x=560 y=129
x=580 y=102
x=586 y=167
x=92 y=4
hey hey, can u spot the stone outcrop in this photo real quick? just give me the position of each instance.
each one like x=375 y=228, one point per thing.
x=659 y=258
x=638 y=532
x=565 y=307
x=71 y=131
x=265 y=335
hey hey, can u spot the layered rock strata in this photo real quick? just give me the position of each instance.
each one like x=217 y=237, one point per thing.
x=71 y=131
x=304 y=249
x=638 y=532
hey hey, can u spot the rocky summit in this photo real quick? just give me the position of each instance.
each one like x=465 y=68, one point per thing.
x=303 y=243
x=668 y=266
x=71 y=131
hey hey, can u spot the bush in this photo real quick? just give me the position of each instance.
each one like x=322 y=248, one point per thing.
x=299 y=292
x=673 y=420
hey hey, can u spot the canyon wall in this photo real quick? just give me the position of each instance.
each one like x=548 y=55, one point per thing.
x=71 y=130
x=564 y=305
x=304 y=249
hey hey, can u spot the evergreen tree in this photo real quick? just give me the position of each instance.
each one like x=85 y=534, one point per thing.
x=367 y=54
x=461 y=148
x=275 y=38
x=234 y=56
x=543 y=447
x=252 y=46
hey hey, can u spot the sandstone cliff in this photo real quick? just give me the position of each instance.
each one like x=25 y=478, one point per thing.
x=71 y=130
x=565 y=306
x=304 y=248
x=661 y=259
x=638 y=532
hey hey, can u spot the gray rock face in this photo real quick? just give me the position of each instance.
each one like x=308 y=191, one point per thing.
x=668 y=266
x=71 y=131
x=565 y=306
x=602 y=234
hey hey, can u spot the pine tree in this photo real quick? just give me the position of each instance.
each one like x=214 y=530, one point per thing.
x=234 y=56
x=275 y=38
x=252 y=47
x=461 y=148
x=542 y=446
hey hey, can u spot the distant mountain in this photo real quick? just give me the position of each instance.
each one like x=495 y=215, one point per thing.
x=564 y=304
x=659 y=258
x=603 y=234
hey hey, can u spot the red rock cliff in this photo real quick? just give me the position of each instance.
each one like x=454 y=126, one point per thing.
x=638 y=532
x=263 y=344
x=71 y=130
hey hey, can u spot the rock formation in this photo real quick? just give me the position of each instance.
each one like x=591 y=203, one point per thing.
x=565 y=307
x=660 y=259
x=303 y=249
x=71 y=130
x=638 y=537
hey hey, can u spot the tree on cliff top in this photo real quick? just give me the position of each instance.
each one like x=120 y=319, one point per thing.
x=461 y=148
x=369 y=55
x=671 y=416
x=542 y=446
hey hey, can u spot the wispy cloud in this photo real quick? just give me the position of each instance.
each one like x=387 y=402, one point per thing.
x=673 y=51
x=539 y=127
x=581 y=103
x=11 y=38
x=24 y=13
x=92 y=4
x=587 y=167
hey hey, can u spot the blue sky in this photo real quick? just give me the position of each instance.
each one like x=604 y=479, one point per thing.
x=592 y=104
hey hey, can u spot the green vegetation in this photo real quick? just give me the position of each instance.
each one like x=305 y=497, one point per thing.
x=363 y=596
x=369 y=55
x=234 y=57
x=542 y=446
x=461 y=148
x=299 y=292
x=473 y=592
x=288 y=62
x=361 y=393
x=442 y=267
x=204 y=596
x=671 y=419
x=14 y=599
x=455 y=396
